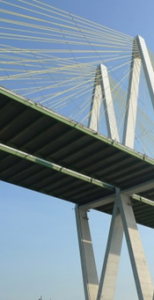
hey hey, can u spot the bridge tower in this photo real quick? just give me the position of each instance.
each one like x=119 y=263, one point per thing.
x=123 y=219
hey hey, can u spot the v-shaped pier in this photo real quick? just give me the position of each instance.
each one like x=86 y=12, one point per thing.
x=123 y=218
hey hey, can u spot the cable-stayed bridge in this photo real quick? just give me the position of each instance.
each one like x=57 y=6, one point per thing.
x=76 y=123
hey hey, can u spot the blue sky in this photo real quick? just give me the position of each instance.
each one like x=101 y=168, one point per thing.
x=39 y=248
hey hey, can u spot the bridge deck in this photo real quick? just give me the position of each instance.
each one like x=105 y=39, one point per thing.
x=29 y=127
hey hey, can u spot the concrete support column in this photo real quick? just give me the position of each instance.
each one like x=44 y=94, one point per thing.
x=96 y=102
x=90 y=278
x=142 y=277
x=132 y=99
x=112 y=256
x=102 y=95
x=111 y=121
x=147 y=66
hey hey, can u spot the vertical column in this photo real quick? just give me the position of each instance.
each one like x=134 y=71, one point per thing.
x=132 y=98
x=108 y=104
x=147 y=66
x=141 y=273
x=102 y=94
x=139 y=266
x=112 y=256
x=88 y=264
x=96 y=102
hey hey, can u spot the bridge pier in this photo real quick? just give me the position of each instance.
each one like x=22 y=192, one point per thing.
x=123 y=220
x=88 y=264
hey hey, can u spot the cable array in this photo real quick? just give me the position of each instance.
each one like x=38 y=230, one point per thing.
x=51 y=56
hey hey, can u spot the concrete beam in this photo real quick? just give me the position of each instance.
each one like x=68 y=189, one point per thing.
x=129 y=192
x=54 y=166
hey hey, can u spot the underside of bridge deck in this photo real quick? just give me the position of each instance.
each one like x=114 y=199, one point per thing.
x=29 y=128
